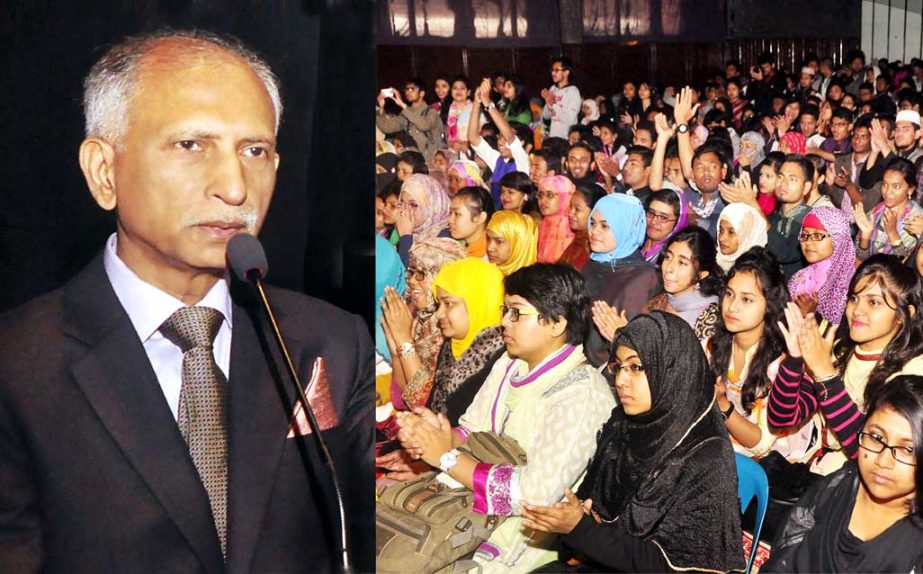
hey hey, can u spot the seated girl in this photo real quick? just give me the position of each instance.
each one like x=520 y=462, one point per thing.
x=740 y=227
x=578 y=217
x=828 y=249
x=512 y=240
x=881 y=230
x=618 y=278
x=515 y=190
x=543 y=394
x=423 y=213
x=554 y=233
x=692 y=281
x=463 y=173
x=745 y=353
x=666 y=214
x=837 y=379
x=415 y=322
x=866 y=517
x=469 y=213
x=660 y=494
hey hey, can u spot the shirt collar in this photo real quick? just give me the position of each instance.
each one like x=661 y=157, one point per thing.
x=147 y=306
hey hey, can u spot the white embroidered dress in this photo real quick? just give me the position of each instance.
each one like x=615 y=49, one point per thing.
x=554 y=413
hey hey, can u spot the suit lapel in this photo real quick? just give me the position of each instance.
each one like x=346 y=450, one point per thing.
x=260 y=414
x=118 y=381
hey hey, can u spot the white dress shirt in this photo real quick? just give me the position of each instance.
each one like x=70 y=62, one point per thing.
x=148 y=307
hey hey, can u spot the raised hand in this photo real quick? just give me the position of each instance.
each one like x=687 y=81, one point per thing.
x=816 y=349
x=865 y=224
x=807 y=303
x=684 y=111
x=794 y=320
x=663 y=127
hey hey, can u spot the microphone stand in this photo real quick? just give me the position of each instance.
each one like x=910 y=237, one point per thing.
x=256 y=278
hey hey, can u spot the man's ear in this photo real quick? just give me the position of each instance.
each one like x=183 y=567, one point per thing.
x=481 y=218
x=97 y=161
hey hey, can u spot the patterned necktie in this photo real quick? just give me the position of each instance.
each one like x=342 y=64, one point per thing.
x=203 y=404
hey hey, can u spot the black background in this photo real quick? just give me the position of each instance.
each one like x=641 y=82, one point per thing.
x=318 y=232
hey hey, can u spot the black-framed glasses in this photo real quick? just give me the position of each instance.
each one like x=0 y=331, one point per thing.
x=659 y=217
x=632 y=370
x=873 y=443
x=802 y=237
x=515 y=313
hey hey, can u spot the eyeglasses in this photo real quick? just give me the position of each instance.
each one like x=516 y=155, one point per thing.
x=418 y=274
x=802 y=237
x=872 y=442
x=658 y=217
x=557 y=69
x=515 y=313
x=631 y=370
x=546 y=195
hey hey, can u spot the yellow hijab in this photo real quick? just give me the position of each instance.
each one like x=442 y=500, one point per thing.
x=480 y=285
x=522 y=233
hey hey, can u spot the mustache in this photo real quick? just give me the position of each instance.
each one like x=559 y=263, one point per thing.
x=246 y=218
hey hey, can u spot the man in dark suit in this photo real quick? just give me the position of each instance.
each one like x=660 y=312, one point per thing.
x=110 y=457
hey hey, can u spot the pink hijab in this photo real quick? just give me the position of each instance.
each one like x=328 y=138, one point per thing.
x=554 y=232
x=828 y=278
x=796 y=142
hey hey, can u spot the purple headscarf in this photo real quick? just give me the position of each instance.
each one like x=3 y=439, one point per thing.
x=828 y=278
x=681 y=222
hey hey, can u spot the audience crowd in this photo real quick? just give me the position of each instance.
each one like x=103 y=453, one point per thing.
x=640 y=291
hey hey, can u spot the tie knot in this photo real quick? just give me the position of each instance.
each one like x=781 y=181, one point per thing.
x=192 y=327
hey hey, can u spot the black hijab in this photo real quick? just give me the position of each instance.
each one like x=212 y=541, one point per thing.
x=670 y=473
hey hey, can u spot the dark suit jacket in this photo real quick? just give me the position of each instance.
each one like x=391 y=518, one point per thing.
x=95 y=476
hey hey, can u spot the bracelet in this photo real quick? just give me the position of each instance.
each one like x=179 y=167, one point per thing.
x=825 y=378
x=730 y=410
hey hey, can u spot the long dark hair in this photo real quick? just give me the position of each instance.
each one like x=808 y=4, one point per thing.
x=901 y=289
x=704 y=255
x=765 y=269
x=905 y=395
x=520 y=102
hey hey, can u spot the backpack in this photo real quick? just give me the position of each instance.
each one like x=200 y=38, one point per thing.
x=423 y=525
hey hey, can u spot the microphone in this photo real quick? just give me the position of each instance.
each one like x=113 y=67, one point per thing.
x=247 y=259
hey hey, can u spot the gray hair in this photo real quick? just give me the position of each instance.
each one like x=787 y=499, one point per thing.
x=113 y=79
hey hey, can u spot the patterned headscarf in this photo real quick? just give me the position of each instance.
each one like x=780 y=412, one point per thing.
x=626 y=220
x=554 y=232
x=750 y=227
x=480 y=285
x=828 y=278
x=681 y=222
x=433 y=201
x=521 y=232
x=796 y=142
x=757 y=140
x=469 y=171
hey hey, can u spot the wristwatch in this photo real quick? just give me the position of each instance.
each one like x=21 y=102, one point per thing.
x=682 y=128
x=730 y=410
x=448 y=460
x=406 y=350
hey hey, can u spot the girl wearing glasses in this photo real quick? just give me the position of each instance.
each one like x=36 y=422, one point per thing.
x=659 y=493
x=554 y=233
x=866 y=517
x=881 y=230
x=413 y=320
x=666 y=214
x=838 y=378
x=745 y=353
x=827 y=247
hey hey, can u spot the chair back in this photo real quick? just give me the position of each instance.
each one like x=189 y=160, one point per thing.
x=752 y=483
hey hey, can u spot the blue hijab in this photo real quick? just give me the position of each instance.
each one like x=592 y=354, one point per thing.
x=626 y=219
x=389 y=272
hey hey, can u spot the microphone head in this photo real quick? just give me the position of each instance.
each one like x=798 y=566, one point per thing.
x=246 y=257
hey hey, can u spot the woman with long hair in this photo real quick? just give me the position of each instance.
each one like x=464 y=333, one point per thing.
x=867 y=516
x=838 y=374
x=745 y=353
x=515 y=102
x=692 y=281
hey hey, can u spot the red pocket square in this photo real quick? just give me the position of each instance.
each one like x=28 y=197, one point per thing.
x=319 y=398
